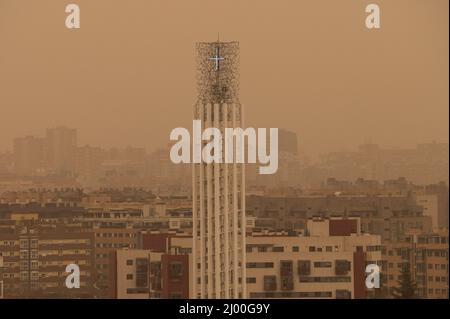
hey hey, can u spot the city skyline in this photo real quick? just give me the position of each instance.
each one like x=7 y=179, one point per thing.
x=135 y=161
x=323 y=71
x=41 y=134
x=58 y=152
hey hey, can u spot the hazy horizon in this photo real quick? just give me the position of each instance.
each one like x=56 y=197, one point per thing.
x=127 y=77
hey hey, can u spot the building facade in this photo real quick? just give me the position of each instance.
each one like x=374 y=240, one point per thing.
x=329 y=262
x=426 y=255
x=36 y=254
x=218 y=188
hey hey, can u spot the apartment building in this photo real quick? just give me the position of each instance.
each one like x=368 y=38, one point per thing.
x=434 y=200
x=159 y=270
x=329 y=261
x=390 y=216
x=36 y=254
x=427 y=256
x=108 y=237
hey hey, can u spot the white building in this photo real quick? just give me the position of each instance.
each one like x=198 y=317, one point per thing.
x=218 y=188
x=328 y=263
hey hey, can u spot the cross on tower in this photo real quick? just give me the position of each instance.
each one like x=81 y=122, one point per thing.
x=217 y=58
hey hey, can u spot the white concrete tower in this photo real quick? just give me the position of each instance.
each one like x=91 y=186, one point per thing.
x=218 y=188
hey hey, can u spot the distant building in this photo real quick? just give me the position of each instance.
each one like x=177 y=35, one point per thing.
x=289 y=165
x=390 y=216
x=427 y=163
x=28 y=154
x=88 y=160
x=6 y=162
x=61 y=150
x=288 y=142
x=434 y=200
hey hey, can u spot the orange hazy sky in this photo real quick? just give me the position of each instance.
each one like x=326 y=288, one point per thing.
x=127 y=77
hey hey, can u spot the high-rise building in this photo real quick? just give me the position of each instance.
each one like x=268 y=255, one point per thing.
x=288 y=173
x=28 y=155
x=218 y=188
x=61 y=149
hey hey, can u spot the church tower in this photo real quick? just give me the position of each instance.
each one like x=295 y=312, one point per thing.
x=218 y=190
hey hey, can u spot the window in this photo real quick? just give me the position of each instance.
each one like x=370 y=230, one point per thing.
x=34 y=243
x=137 y=291
x=325 y=279
x=291 y=294
x=129 y=276
x=343 y=294
x=342 y=267
x=270 y=283
x=322 y=264
x=304 y=267
x=260 y=265
x=251 y=280
x=129 y=262
x=23 y=275
x=295 y=249
x=175 y=270
x=142 y=272
x=24 y=243
x=175 y=295
x=286 y=273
